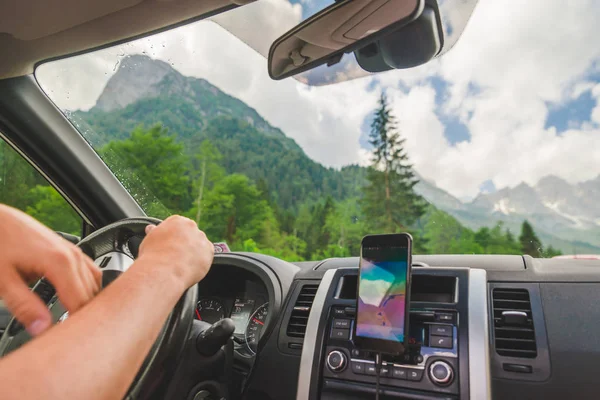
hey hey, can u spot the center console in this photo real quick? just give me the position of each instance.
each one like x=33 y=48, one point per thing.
x=447 y=352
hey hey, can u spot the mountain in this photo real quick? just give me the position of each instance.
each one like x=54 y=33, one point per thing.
x=564 y=215
x=194 y=110
x=437 y=196
x=147 y=91
x=136 y=94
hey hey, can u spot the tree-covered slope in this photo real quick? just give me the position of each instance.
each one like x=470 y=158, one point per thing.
x=145 y=92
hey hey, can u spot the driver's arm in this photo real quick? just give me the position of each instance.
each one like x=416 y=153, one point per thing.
x=97 y=352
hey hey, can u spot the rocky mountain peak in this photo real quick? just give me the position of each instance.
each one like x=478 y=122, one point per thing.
x=135 y=78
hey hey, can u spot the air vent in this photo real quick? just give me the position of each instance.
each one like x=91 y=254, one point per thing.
x=299 y=318
x=513 y=325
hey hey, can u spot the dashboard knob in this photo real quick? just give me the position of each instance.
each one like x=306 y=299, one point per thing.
x=441 y=373
x=336 y=361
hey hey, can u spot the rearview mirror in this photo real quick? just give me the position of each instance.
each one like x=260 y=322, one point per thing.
x=350 y=25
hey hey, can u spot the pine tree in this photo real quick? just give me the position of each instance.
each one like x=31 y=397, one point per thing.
x=550 y=252
x=530 y=244
x=390 y=203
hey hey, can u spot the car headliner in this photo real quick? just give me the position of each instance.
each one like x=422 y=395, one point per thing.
x=32 y=31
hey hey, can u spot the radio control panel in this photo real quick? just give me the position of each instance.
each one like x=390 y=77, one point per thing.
x=430 y=362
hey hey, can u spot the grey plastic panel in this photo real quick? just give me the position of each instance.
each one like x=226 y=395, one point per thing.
x=550 y=270
x=572 y=313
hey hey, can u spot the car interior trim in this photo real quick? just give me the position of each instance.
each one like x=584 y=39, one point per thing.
x=114 y=261
x=312 y=332
x=479 y=351
x=41 y=132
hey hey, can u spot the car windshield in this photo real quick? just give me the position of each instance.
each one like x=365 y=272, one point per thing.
x=491 y=149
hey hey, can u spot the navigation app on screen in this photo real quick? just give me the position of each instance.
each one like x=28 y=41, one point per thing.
x=382 y=294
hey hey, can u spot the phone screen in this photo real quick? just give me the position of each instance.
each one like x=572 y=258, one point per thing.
x=382 y=287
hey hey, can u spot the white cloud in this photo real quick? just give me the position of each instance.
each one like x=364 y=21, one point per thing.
x=518 y=70
x=596 y=111
x=514 y=62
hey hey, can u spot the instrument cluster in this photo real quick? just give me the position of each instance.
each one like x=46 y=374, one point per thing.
x=240 y=296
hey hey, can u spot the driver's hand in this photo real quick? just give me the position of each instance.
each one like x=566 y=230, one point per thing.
x=179 y=245
x=29 y=250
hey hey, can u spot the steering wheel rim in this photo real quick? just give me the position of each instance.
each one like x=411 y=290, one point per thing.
x=122 y=238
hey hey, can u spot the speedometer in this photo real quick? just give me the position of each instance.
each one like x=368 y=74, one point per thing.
x=255 y=327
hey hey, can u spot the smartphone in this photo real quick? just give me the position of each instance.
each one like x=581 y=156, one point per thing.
x=383 y=303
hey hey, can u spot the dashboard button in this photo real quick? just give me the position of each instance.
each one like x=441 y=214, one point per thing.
x=399 y=373
x=350 y=310
x=343 y=334
x=339 y=312
x=341 y=323
x=358 y=367
x=441 y=330
x=441 y=373
x=336 y=361
x=422 y=316
x=414 y=374
x=370 y=369
x=442 y=342
x=444 y=317
x=385 y=370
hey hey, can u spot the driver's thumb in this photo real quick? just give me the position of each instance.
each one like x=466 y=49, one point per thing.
x=25 y=305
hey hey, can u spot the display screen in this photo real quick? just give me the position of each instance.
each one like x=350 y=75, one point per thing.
x=242 y=309
x=382 y=293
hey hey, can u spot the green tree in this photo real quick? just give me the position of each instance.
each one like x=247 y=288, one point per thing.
x=49 y=207
x=530 y=243
x=21 y=186
x=442 y=232
x=151 y=165
x=390 y=203
x=234 y=210
x=346 y=226
x=501 y=241
x=17 y=177
x=285 y=254
x=209 y=171
x=550 y=252
x=466 y=244
x=331 y=251
x=311 y=225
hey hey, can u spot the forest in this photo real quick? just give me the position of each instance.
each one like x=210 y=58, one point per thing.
x=260 y=193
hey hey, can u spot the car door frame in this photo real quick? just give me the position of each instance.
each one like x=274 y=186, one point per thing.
x=38 y=130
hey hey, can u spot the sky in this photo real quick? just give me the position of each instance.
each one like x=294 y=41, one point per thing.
x=516 y=99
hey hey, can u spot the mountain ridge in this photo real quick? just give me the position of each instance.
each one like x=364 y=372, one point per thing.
x=147 y=91
x=142 y=78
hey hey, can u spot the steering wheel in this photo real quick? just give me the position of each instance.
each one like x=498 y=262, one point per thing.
x=114 y=249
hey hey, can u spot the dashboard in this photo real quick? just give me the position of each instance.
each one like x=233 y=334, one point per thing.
x=231 y=292
x=465 y=345
x=293 y=336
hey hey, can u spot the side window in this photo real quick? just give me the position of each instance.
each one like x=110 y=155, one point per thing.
x=22 y=187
